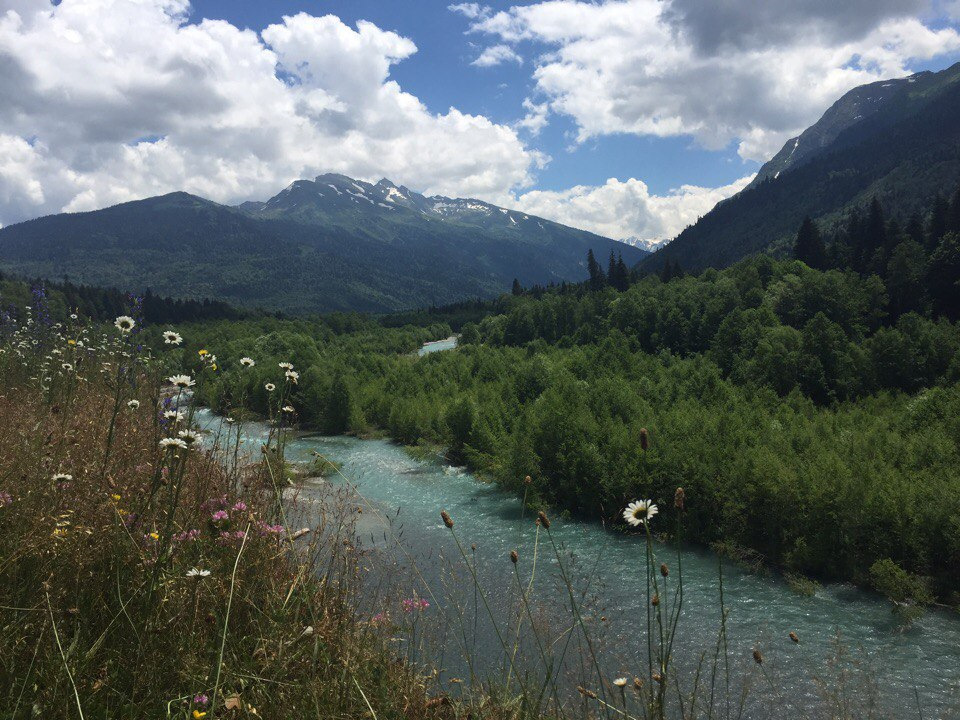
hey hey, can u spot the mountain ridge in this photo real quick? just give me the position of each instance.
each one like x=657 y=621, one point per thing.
x=299 y=253
x=902 y=154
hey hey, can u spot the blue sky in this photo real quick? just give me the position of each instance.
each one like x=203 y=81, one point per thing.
x=440 y=74
x=629 y=118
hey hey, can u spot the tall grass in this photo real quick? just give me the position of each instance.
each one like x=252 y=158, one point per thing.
x=150 y=571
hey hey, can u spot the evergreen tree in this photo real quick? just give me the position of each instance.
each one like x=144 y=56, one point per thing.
x=622 y=274
x=809 y=246
x=943 y=276
x=516 y=289
x=938 y=222
x=666 y=275
x=612 y=269
x=597 y=278
x=875 y=231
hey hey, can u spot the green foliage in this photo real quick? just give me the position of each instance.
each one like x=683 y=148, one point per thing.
x=897 y=584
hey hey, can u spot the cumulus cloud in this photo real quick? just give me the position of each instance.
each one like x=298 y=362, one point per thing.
x=755 y=72
x=110 y=100
x=497 y=54
x=627 y=209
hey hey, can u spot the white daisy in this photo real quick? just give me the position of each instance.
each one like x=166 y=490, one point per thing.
x=194 y=572
x=167 y=443
x=125 y=323
x=620 y=682
x=288 y=409
x=67 y=366
x=174 y=415
x=270 y=387
x=189 y=436
x=172 y=338
x=181 y=381
x=133 y=404
x=285 y=366
x=639 y=511
x=247 y=362
x=73 y=316
x=292 y=376
x=62 y=477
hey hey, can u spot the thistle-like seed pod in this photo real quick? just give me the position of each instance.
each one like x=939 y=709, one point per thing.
x=644 y=439
x=679 y=498
x=527 y=480
x=514 y=557
x=637 y=684
x=447 y=520
x=757 y=657
x=655 y=600
x=793 y=636
x=544 y=520
x=664 y=570
x=587 y=693
x=658 y=678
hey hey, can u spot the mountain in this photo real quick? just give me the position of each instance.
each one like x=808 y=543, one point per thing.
x=332 y=243
x=897 y=140
x=647 y=245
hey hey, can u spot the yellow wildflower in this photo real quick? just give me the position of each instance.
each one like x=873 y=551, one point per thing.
x=115 y=496
x=201 y=353
x=213 y=367
x=71 y=342
x=197 y=714
x=155 y=536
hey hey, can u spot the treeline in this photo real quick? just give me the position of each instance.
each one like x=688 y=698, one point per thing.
x=765 y=324
x=105 y=304
x=919 y=261
x=800 y=421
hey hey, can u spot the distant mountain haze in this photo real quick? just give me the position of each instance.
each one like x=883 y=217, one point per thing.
x=332 y=243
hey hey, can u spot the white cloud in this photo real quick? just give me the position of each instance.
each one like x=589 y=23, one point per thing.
x=755 y=72
x=627 y=209
x=497 y=54
x=535 y=118
x=110 y=100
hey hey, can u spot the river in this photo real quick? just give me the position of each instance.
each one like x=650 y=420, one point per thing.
x=897 y=666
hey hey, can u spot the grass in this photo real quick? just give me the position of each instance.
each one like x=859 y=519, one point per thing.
x=149 y=572
x=120 y=594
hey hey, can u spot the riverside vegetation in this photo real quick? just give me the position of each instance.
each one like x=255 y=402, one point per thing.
x=813 y=416
x=150 y=570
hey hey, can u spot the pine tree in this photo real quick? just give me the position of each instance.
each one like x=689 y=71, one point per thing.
x=597 y=278
x=809 y=246
x=666 y=275
x=517 y=289
x=612 y=269
x=943 y=276
x=938 y=222
x=953 y=217
x=623 y=274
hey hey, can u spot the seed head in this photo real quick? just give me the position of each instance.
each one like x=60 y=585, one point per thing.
x=757 y=657
x=544 y=520
x=664 y=570
x=793 y=636
x=655 y=600
x=679 y=498
x=658 y=678
x=527 y=480
x=644 y=439
x=637 y=684
x=446 y=519
x=586 y=693
x=514 y=557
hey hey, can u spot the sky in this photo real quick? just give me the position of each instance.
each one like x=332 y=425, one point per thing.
x=630 y=118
